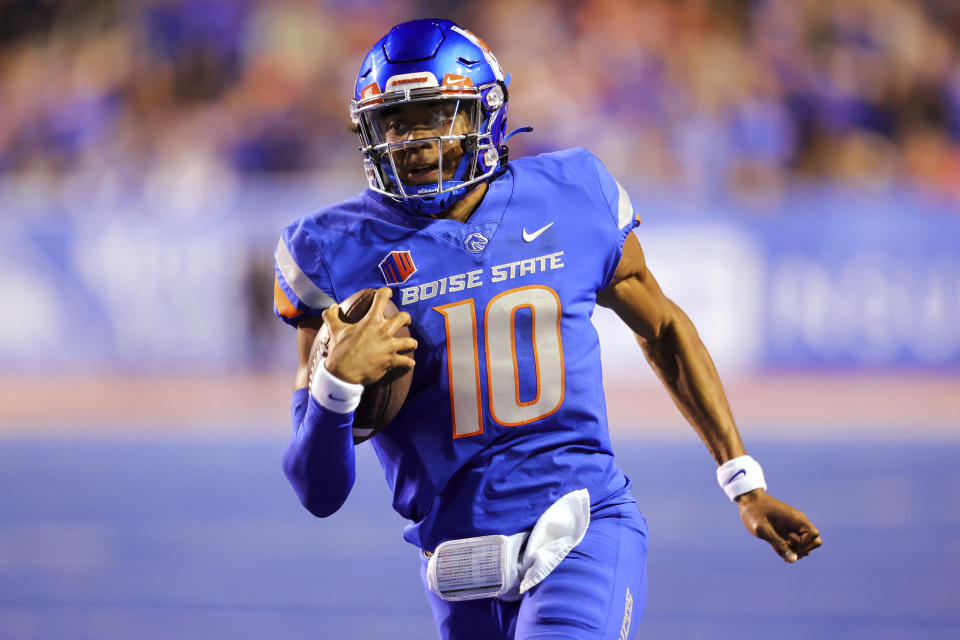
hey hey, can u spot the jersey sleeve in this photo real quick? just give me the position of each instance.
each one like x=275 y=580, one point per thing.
x=302 y=285
x=617 y=204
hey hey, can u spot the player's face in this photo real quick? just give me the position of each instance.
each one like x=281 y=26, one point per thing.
x=418 y=163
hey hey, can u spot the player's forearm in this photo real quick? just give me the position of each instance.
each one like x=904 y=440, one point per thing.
x=319 y=459
x=687 y=371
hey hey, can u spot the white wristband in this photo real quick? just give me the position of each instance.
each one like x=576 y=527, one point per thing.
x=740 y=475
x=332 y=392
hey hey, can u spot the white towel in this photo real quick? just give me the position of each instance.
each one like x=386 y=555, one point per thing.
x=560 y=528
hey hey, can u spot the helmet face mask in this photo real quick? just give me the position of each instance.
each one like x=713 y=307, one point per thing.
x=435 y=129
x=424 y=147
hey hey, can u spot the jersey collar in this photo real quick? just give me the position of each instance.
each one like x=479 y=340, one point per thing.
x=485 y=219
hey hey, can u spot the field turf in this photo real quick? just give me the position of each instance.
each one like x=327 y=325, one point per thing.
x=111 y=537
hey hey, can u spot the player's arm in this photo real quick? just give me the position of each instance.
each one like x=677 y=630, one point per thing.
x=674 y=350
x=319 y=459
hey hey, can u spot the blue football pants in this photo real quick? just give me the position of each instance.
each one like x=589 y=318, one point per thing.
x=597 y=592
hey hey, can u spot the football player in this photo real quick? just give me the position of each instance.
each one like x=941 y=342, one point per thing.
x=500 y=457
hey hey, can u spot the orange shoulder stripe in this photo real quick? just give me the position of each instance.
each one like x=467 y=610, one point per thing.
x=284 y=306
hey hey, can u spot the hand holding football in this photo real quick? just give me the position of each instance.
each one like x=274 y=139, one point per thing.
x=366 y=341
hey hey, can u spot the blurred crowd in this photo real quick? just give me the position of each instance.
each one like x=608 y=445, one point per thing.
x=181 y=100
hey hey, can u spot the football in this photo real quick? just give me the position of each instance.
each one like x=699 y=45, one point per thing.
x=381 y=400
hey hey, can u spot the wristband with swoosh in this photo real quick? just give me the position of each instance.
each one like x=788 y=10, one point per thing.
x=739 y=475
x=332 y=392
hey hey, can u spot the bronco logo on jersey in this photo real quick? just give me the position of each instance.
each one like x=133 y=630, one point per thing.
x=397 y=267
x=475 y=242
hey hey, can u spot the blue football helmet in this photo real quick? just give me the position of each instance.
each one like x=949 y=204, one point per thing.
x=427 y=88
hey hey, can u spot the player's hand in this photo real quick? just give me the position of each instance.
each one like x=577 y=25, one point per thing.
x=363 y=352
x=787 y=530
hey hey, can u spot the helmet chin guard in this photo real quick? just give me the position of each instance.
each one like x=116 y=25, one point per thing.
x=426 y=68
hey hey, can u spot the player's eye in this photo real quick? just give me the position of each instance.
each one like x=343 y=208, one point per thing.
x=440 y=119
x=396 y=128
x=444 y=113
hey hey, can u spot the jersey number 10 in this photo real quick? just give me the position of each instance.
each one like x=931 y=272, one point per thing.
x=503 y=367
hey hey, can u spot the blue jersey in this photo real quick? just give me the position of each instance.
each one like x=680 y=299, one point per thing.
x=506 y=410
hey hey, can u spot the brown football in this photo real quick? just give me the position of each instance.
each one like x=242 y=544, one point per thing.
x=381 y=400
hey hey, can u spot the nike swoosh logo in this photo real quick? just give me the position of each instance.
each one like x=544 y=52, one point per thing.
x=530 y=237
x=734 y=476
x=333 y=397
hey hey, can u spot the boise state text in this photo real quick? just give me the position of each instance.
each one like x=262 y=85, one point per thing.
x=504 y=414
x=471 y=279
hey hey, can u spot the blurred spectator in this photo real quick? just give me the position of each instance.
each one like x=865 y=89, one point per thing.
x=711 y=99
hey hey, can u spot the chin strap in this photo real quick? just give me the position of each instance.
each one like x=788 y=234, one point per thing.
x=504 y=151
x=527 y=129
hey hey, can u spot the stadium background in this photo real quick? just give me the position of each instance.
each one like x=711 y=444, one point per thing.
x=797 y=167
